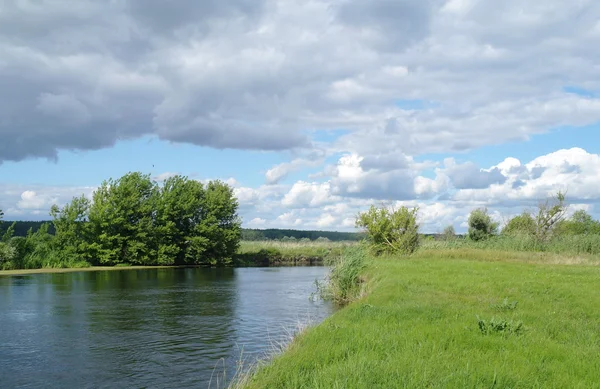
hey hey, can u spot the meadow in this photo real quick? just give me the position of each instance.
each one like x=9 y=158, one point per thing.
x=454 y=318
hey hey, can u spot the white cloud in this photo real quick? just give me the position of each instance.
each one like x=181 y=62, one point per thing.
x=257 y=222
x=307 y=194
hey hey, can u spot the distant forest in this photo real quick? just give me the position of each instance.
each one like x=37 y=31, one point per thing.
x=22 y=227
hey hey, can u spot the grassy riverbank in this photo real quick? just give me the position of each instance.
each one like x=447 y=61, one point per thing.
x=456 y=318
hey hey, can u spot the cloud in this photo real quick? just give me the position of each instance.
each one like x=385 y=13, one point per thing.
x=260 y=74
x=468 y=175
x=164 y=176
x=257 y=222
x=569 y=170
x=33 y=202
x=282 y=170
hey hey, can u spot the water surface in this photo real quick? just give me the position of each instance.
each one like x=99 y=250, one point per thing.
x=156 y=328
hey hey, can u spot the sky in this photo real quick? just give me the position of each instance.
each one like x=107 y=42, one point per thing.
x=312 y=110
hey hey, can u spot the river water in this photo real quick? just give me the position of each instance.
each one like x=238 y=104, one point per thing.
x=157 y=328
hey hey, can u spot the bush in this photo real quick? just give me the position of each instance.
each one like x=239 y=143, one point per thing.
x=390 y=231
x=481 y=225
x=523 y=224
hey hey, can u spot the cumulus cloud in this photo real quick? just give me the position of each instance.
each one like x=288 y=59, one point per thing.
x=468 y=175
x=400 y=78
x=258 y=74
x=34 y=201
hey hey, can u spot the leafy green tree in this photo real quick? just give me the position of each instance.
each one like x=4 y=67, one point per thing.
x=581 y=223
x=122 y=221
x=220 y=225
x=481 y=225
x=390 y=231
x=523 y=224
x=179 y=211
x=72 y=230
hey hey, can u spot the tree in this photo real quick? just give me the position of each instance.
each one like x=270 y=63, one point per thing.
x=449 y=233
x=390 y=231
x=581 y=223
x=121 y=220
x=523 y=224
x=180 y=209
x=72 y=230
x=549 y=215
x=481 y=225
x=219 y=226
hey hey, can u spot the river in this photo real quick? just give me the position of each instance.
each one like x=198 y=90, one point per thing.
x=153 y=328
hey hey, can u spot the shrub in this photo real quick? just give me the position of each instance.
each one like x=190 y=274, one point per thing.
x=390 y=231
x=523 y=224
x=481 y=225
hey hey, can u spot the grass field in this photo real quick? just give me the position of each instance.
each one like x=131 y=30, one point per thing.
x=455 y=319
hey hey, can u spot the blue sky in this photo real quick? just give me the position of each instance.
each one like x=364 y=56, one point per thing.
x=311 y=111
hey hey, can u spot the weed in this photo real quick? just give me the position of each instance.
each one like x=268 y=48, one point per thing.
x=499 y=326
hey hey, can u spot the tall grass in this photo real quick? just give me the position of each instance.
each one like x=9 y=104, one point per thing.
x=344 y=283
x=565 y=244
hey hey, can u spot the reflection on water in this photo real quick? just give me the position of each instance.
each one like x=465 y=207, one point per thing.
x=147 y=328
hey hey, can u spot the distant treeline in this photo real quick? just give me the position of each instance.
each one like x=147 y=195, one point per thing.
x=21 y=228
x=277 y=234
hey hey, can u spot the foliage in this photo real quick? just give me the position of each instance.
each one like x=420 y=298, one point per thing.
x=72 y=232
x=449 y=233
x=499 y=326
x=133 y=220
x=389 y=230
x=550 y=214
x=581 y=223
x=121 y=221
x=481 y=225
x=521 y=224
x=344 y=282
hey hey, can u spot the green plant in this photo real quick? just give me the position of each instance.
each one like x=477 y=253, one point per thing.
x=481 y=225
x=549 y=215
x=499 y=326
x=523 y=224
x=389 y=230
x=344 y=283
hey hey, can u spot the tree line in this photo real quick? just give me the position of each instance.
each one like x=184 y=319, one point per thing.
x=249 y=234
x=133 y=220
x=547 y=228
x=22 y=228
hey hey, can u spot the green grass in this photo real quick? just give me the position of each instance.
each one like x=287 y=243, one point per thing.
x=567 y=244
x=420 y=326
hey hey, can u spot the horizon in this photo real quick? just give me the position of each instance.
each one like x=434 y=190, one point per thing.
x=311 y=112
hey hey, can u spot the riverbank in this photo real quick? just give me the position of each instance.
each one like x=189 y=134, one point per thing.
x=249 y=254
x=458 y=318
